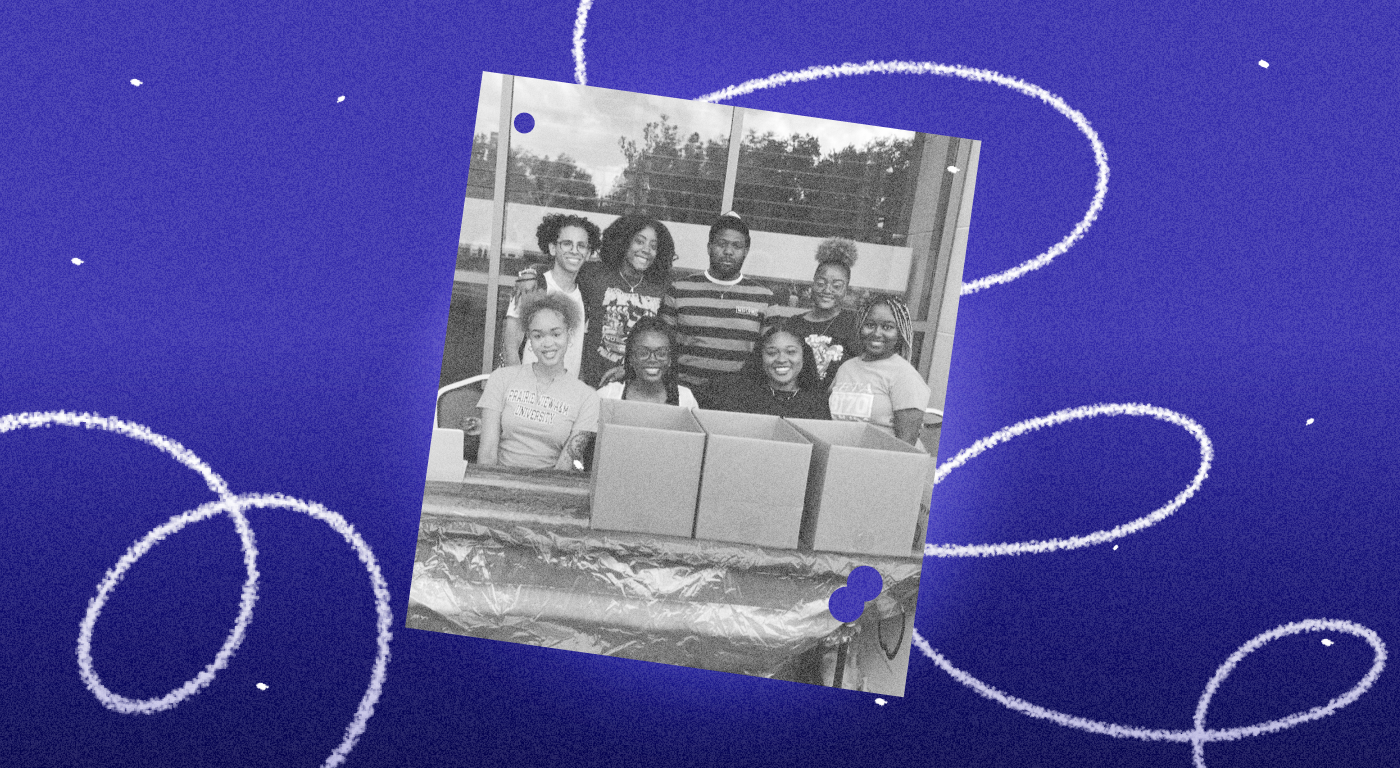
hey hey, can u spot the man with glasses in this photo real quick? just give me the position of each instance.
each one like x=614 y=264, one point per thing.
x=569 y=239
x=717 y=314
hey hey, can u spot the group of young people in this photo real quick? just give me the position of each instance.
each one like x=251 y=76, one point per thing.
x=621 y=328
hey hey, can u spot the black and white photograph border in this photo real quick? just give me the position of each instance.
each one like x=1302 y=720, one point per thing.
x=510 y=554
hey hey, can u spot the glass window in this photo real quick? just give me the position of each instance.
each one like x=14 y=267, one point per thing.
x=612 y=152
x=825 y=178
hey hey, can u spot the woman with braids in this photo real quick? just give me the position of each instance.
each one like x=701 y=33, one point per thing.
x=623 y=286
x=779 y=379
x=538 y=415
x=650 y=371
x=832 y=332
x=880 y=386
x=569 y=239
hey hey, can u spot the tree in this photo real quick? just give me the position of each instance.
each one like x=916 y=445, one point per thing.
x=555 y=182
x=668 y=178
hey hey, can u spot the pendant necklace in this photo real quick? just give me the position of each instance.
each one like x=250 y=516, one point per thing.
x=631 y=287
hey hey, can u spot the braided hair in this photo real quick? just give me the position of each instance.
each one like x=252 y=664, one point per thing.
x=902 y=321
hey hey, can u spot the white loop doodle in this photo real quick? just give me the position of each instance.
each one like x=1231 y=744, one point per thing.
x=234 y=506
x=1198 y=736
x=1098 y=537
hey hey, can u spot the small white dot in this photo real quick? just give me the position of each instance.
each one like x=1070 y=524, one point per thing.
x=135 y=82
x=1263 y=64
x=1309 y=422
x=262 y=686
x=342 y=98
x=881 y=702
x=1115 y=546
x=1326 y=641
x=952 y=169
x=77 y=260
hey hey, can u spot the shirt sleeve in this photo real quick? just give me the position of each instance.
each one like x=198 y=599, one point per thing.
x=493 y=395
x=907 y=388
x=686 y=398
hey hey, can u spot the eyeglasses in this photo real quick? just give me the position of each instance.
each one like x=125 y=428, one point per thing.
x=569 y=245
x=657 y=354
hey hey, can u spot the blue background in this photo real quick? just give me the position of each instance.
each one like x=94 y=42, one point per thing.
x=266 y=278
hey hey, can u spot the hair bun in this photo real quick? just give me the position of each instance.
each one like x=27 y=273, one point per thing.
x=837 y=249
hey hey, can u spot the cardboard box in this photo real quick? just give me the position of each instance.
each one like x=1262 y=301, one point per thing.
x=754 y=482
x=866 y=489
x=646 y=468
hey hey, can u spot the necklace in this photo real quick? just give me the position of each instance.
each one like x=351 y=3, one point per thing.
x=631 y=287
x=780 y=395
x=827 y=327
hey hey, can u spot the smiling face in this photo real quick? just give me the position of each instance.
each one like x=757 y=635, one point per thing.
x=829 y=286
x=728 y=249
x=880 y=334
x=641 y=252
x=549 y=337
x=650 y=355
x=570 y=248
x=782 y=360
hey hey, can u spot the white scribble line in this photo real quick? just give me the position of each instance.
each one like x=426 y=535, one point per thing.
x=1199 y=735
x=234 y=506
x=975 y=75
x=580 y=66
x=1098 y=537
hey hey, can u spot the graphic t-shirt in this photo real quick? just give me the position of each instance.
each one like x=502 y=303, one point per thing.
x=613 y=306
x=615 y=390
x=574 y=354
x=832 y=341
x=537 y=419
x=873 y=391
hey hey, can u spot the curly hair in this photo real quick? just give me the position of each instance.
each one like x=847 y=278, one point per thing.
x=532 y=304
x=548 y=230
x=838 y=252
x=807 y=378
x=617 y=238
x=654 y=324
x=902 y=321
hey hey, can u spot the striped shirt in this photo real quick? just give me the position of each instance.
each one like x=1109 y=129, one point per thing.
x=717 y=324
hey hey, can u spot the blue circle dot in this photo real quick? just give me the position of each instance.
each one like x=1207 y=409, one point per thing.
x=524 y=122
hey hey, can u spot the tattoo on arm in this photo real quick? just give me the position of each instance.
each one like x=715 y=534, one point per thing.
x=577 y=447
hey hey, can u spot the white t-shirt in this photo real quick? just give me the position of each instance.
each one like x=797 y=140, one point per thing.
x=614 y=391
x=866 y=391
x=573 y=356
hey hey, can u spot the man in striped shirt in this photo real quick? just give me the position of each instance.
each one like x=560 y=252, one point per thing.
x=717 y=314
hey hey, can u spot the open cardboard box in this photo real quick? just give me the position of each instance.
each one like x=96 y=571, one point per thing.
x=754 y=480
x=646 y=468
x=866 y=491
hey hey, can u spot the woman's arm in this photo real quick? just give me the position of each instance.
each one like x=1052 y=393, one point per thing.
x=486 y=455
x=907 y=423
x=511 y=336
x=575 y=449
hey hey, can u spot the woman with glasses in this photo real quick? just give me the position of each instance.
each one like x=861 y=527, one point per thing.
x=569 y=239
x=779 y=379
x=833 y=333
x=625 y=285
x=880 y=386
x=650 y=373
